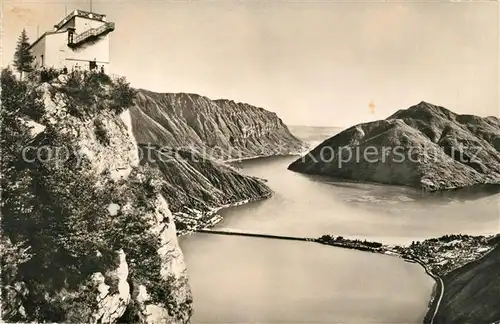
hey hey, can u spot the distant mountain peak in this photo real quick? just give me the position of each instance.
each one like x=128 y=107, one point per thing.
x=424 y=103
x=441 y=150
x=424 y=111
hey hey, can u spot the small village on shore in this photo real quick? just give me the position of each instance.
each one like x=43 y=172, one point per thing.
x=190 y=220
x=449 y=252
x=440 y=255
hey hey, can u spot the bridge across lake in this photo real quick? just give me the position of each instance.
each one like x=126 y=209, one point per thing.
x=268 y=236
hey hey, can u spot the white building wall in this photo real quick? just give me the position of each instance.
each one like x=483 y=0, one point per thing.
x=38 y=51
x=56 y=53
x=59 y=54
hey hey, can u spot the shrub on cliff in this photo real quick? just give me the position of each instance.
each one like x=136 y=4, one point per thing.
x=45 y=74
x=12 y=257
x=90 y=92
x=100 y=132
x=19 y=98
x=58 y=211
x=53 y=210
x=122 y=95
x=64 y=221
x=84 y=94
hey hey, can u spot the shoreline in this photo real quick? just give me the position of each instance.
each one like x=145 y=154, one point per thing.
x=437 y=291
x=249 y=158
x=438 y=288
x=210 y=218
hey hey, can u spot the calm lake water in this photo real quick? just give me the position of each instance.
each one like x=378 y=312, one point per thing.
x=252 y=280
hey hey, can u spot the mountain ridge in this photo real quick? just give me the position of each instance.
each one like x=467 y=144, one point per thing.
x=221 y=128
x=443 y=150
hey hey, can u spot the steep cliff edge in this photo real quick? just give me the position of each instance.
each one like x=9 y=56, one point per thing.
x=188 y=133
x=87 y=235
x=472 y=293
x=424 y=146
x=223 y=129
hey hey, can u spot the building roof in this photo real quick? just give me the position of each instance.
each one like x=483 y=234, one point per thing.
x=74 y=13
x=80 y=13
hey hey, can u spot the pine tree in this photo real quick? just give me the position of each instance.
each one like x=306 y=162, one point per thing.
x=23 y=59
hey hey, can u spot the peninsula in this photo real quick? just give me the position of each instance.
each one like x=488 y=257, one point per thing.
x=425 y=146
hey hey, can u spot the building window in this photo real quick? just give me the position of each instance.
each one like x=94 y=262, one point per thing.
x=92 y=65
x=41 y=60
x=70 y=36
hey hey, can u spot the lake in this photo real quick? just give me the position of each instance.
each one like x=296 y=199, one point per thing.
x=252 y=280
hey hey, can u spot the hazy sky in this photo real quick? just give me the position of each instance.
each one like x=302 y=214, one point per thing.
x=312 y=62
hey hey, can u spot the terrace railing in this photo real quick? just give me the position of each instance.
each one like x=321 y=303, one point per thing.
x=92 y=33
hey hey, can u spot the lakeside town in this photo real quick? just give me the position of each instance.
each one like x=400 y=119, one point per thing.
x=356 y=244
x=190 y=220
x=449 y=252
x=440 y=255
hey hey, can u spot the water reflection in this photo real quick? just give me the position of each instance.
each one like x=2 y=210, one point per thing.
x=317 y=205
x=386 y=192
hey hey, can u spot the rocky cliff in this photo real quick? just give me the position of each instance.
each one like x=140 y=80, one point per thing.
x=221 y=128
x=425 y=146
x=108 y=206
x=87 y=234
x=472 y=293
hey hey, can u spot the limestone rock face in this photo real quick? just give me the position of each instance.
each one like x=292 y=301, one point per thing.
x=221 y=128
x=424 y=146
x=111 y=306
x=173 y=271
x=105 y=140
x=108 y=151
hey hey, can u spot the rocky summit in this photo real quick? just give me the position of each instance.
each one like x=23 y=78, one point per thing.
x=425 y=146
x=221 y=128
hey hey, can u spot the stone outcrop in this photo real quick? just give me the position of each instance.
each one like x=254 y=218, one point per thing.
x=223 y=129
x=105 y=150
x=425 y=146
